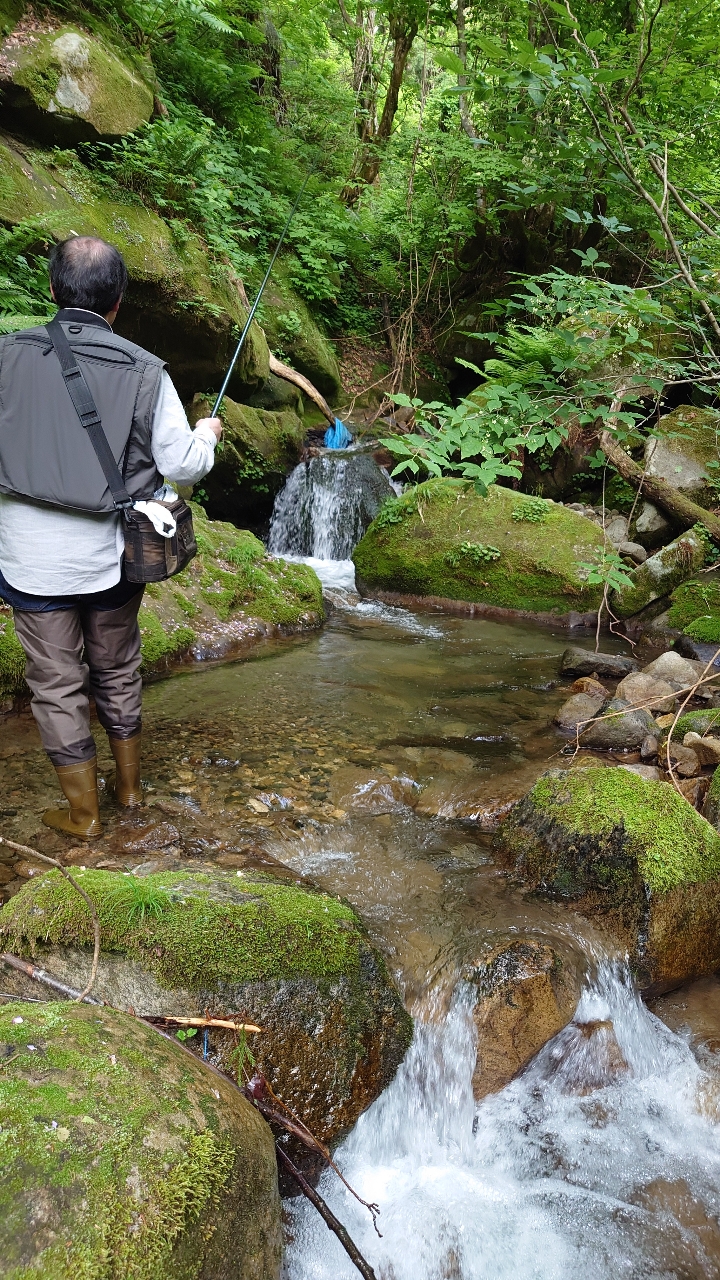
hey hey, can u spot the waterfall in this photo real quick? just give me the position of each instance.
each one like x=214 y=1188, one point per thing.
x=596 y=1161
x=327 y=504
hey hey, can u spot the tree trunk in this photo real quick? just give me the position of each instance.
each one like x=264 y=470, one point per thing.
x=291 y=375
x=465 y=117
x=403 y=29
x=682 y=509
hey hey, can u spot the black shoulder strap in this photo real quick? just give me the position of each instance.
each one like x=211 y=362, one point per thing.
x=86 y=410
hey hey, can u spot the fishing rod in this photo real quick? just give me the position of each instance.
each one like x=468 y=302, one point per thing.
x=255 y=305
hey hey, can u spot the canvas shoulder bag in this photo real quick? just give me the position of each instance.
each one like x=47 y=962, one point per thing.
x=159 y=536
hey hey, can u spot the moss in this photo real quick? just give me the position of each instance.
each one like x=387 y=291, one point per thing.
x=672 y=843
x=691 y=433
x=662 y=573
x=703 y=722
x=216 y=929
x=695 y=609
x=12 y=660
x=296 y=336
x=259 y=447
x=159 y=645
x=119 y=1137
x=415 y=545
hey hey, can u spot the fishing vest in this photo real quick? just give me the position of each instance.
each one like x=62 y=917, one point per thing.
x=45 y=454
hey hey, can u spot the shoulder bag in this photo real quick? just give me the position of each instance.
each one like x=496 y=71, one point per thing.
x=159 y=536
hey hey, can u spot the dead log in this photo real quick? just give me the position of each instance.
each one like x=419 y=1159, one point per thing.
x=326 y=1213
x=682 y=509
x=291 y=375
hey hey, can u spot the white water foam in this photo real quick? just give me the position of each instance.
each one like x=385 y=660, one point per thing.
x=543 y=1181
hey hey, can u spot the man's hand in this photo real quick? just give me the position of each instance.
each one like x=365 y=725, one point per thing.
x=215 y=425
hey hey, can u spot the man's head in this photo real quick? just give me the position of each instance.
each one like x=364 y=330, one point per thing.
x=89 y=273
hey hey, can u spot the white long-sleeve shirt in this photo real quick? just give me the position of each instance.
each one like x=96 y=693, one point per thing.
x=48 y=552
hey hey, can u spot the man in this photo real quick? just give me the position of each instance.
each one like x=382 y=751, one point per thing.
x=61 y=543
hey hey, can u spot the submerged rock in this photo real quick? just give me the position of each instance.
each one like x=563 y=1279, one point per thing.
x=631 y=853
x=583 y=1057
x=294 y=962
x=505 y=551
x=372 y=791
x=526 y=994
x=124 y=1156
x=660 y=574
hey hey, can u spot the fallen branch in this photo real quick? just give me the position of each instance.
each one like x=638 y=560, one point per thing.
x=659 y=491
x=209 y=1022
x=328 y=1216
x=53 y=862
x=41 y=975
x=291 y=375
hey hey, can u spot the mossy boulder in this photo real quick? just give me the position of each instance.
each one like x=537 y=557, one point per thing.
x=505 y=550
x=295 y=335
x=684 y=450
x=633 y=855
x=695 y=609
x=179 y=304
x=64 y=85
x=662 y=573
x=232 y=594
x=258 y=449
x=12 y=660
x=295 y=962
x=124 y=1156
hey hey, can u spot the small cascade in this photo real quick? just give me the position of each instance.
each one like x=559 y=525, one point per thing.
x=596 y=1161
x=327 y=504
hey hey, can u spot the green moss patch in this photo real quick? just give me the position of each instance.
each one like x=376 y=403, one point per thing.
x=695 y=609
x=443 y=539
x=672 y=843
x=12 y=659
x=208 y=929
x=703 y=722
x=121 y=1139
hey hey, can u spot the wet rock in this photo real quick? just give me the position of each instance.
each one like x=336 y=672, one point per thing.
x=64 y=85
x=617 y=530
x=711 y=804
x=526 y=994
x=371 y=791
x=579 y=709
x=632 y=855
x=582 y=1058
x=293 y=961
x=626 y=727
x=674 y=1201
x=671 y=666
x=587 y=684
x=693 y=789
x=583 y=662
x=649 y=772
x=686 y=762
x=633 y=551
x=660 y=574
x=505 y=550
x=701 y=650
x=707 y=750
x=649 y=747
x=681 y=447
x=135 y=1159
x=651 y=528
x=643 y=690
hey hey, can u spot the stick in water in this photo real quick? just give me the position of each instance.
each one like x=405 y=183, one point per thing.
x=328 y=1216
x=53 y=862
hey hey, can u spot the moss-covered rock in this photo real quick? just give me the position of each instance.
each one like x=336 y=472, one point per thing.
x=65 y=85
x=258 y=449
x=295 y=962
x=506 y=550
x=662 y=573
x=632 y=853
x=695 y=609
x=230 y=595
x=122 y=1156
x=12 y=658
x=295 y=335
x=179 y=304
x=683 y=444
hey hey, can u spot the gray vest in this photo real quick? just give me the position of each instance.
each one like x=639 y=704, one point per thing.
x=45 y=454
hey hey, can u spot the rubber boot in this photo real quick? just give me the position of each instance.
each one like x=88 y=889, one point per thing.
x=79 y=785
x=128 y=787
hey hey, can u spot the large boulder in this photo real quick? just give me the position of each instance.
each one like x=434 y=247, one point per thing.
x=679 y=451
x=294 y=334
x=294 y=962
x=695 y=609
x=632 y=854
x=260 y=446
x=661 y=573
x=178 y=305
x=124 y=1156
x=505 y=550
x=63 y=85
x=526 y=993
x=12 y=660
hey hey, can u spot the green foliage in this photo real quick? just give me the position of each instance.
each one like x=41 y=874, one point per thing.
x=137 y=898
x=24 y=292
x=608 y=570
x=472 y=552
x=394 y=511
x=535 y=510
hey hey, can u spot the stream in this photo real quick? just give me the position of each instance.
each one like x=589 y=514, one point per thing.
x=314 y=753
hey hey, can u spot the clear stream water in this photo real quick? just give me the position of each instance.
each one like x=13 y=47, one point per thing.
x=315 y=753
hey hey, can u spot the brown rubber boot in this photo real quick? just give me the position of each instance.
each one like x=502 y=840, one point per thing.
x=79 y=785
x=128 y=787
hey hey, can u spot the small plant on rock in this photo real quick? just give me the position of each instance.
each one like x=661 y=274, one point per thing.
x=139 y=899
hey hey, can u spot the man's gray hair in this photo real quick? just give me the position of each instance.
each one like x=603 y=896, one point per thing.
x=87 y=272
